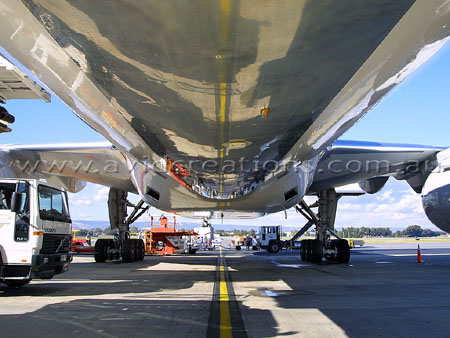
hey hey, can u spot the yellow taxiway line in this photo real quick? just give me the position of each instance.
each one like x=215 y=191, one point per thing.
x=225 y=315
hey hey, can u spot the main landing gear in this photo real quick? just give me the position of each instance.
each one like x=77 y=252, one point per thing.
x=110 y=250
x=122 y=246
x=335 y=250
x=322 y=247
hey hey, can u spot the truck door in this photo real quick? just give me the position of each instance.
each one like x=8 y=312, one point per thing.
x=54 y=220
x=15 y=246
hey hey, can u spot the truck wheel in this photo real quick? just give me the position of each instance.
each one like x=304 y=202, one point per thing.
x=274 y=247
x=238 y=247
x=128 y=249
x=316 y=251
x=101 y=250
x=343 y=251
x=16 y=283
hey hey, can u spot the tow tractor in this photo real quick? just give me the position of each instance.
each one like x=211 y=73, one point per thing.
x=163 y=238
x=270 y=239
x=35 y=231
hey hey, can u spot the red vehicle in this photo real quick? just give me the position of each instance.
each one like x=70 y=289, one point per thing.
x=163 y=238
x=80 y=246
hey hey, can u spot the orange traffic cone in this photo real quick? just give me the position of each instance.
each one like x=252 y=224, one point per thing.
x=419 y=256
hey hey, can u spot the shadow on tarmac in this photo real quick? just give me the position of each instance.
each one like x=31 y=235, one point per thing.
x=361 y=298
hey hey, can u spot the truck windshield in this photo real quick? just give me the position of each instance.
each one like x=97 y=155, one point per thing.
x=52 y=204
x=6 y=191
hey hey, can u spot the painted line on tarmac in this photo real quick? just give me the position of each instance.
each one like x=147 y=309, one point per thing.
x=225 y=320
x=291 y=266
x=414 y=254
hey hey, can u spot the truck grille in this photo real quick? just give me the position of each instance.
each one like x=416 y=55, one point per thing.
x=53 y=243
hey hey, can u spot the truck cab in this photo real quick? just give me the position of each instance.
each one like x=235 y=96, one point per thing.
x=35 y=231
x=269 y=238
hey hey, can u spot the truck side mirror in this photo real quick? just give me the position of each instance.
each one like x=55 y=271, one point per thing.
x=16 y=201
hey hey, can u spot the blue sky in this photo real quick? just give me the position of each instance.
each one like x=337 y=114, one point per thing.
x=417 y=111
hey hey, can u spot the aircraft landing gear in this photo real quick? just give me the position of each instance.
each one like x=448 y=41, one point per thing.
x=122 y=246
x=315 y=250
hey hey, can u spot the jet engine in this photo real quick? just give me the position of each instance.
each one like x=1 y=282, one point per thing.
x=436 y=193
x=5 y=118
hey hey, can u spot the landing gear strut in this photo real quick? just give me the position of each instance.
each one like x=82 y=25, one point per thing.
x=322 y=247
x=130 y=249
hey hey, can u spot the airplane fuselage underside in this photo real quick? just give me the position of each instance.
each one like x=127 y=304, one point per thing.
x=223 y=97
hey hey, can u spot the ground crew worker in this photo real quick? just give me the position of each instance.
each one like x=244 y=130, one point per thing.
x=248 y=242
x=88 y=239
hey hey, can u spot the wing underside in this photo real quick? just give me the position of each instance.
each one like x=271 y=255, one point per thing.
x=68 y=165
x=371 y=164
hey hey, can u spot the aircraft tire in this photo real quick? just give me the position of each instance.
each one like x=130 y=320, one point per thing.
x=303 y=250
x=109 y=249
x=343 y=251
x=141 y=246
x=316 y=251
x=332 y=245
x=308 y=253
x=101 y=250
x=137 y=250
x=128 y=249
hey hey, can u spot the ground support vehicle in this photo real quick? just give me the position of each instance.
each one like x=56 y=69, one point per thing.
x=355 y=242
x=206 y=238
x=35 y=231
x=81 y=246
x=269 y=238
x=311 y=250
x=238 y=242
x=163 y=238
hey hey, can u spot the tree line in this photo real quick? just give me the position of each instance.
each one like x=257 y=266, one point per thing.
x=100 y=232
x=351 y=232
x=410 y=231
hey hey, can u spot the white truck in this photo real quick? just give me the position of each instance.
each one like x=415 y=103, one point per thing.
x=207 y=238
x=269 y=238
x=35 y=231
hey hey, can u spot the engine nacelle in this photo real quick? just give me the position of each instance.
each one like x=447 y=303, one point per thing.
x=436 y=193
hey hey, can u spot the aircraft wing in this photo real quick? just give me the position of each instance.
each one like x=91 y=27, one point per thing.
x=345 y=162
x=67 y=165
x=371 y=164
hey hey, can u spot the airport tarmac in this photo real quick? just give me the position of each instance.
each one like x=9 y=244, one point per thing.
x=382 y=292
